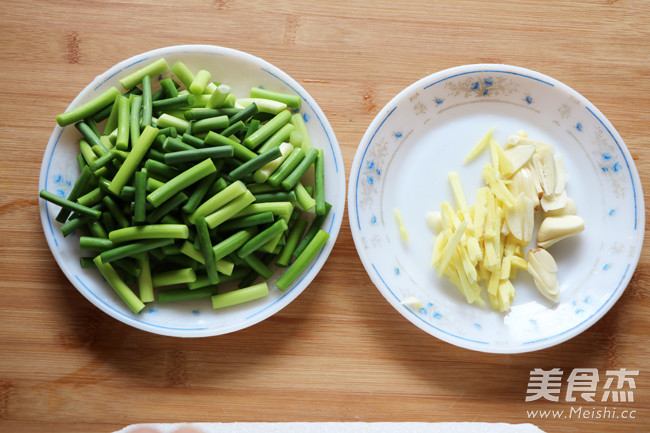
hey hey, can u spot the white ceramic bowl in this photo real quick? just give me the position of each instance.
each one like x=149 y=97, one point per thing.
x=424 y=133
x=189 y=318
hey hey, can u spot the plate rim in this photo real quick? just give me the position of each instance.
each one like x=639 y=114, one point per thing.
x=353 y=216
x=287 y=296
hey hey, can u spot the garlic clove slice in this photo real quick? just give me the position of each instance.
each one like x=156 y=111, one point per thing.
x=543 y=268
x=554 y=201
x=520 y=218
x=555 y=228
x=544 y=162
x=524 y=182
x=569 y=208
x=519 y=155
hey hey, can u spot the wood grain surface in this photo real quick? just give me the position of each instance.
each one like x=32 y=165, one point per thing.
x=340 y=352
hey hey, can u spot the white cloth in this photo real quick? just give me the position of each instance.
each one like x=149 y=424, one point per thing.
x=333 y=427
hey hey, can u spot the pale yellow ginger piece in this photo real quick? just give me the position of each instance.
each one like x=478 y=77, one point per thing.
x=499 y=244
x=450 y=248
x=457 y=189
x=489 y=231
x=498 y=222
x=469 y=267
x=493 y=252
x=400 y=224
x=438 y=246
x=451 y=272
x=474 y=249
x=494 y=302
x=483 y=272
x=448 y=215
x=494 y=156
x=520 y=249
x=480 y=146
x=454 y=219
x=492 y=234
x=513 y=273
x=490 y=254
x=518 y=262
x=505 y=296
x=493 y=282
x=500 y=160
x=498 y=188
x=459 y=196
x=509 y=249
x=470 y=289
x=480 y=212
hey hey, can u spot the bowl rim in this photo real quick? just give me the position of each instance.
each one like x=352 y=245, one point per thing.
x=353 y=215
x=287 y=296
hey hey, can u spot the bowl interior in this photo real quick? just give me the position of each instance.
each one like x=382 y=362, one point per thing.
x=189 y=318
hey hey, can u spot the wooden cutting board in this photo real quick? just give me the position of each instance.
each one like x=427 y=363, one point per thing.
x=340 y=352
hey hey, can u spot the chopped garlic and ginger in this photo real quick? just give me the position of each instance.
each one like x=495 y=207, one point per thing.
x=484 y=245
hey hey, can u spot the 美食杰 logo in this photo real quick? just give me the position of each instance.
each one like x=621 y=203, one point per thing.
x=583 y=386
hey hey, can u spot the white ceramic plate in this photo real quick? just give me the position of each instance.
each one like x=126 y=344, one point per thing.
x=189 y=318
x=424 y=133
